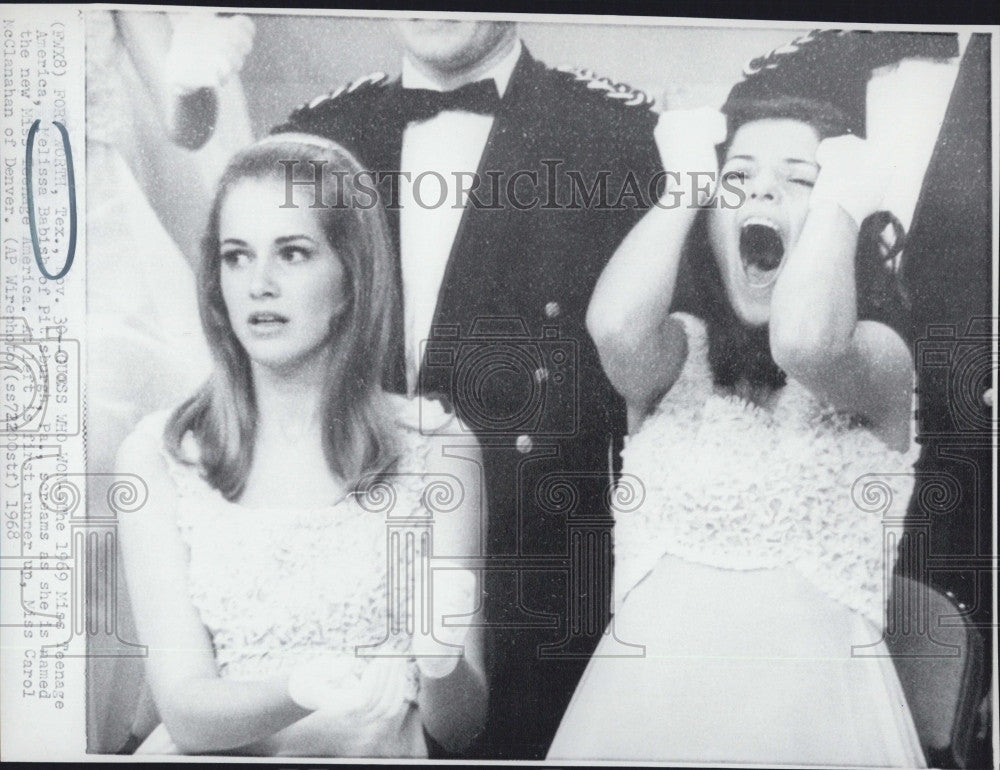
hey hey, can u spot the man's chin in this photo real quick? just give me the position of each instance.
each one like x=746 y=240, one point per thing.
x=442 y=58
x=450 y=47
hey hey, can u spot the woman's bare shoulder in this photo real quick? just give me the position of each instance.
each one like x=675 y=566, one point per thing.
x=146 y=441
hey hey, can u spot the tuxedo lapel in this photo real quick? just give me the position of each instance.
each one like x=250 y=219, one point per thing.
x=484 y=231
x=386 y=148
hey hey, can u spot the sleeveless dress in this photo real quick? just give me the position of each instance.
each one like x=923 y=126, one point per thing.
x=752 y=550
x=277 y=587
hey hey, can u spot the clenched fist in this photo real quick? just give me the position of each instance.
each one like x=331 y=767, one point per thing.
x=687 y=140
x=206 y=50
x=853 y=175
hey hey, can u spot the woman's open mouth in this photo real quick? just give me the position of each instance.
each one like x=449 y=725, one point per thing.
x=266 y=321
x=761 y=250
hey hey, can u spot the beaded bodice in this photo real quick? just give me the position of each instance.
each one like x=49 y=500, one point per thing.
x=717 y=480
x=277 y=586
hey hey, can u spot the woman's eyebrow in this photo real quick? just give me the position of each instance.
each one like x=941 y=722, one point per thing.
x=290 y=238
x=802 y=162
x=234 y=242
x=741 y=157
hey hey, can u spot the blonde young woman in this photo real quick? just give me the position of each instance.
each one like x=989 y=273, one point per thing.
x=257 y=571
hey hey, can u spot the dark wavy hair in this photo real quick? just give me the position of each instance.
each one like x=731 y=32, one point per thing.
x=738 y=351
x=222 y=414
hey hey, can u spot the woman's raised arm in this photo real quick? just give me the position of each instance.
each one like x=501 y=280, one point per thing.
x=641 y=348
x=862 y=367
x=201 y=711
x=183 y=60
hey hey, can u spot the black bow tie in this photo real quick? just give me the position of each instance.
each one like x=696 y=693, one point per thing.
x=423 y=103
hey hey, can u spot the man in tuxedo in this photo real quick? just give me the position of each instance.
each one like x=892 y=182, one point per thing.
x=495 y=284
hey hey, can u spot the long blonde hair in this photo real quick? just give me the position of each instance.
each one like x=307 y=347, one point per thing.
x=356 y=424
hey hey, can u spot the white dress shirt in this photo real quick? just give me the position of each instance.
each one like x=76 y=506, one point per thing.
x=906 y=105
x=432 y=205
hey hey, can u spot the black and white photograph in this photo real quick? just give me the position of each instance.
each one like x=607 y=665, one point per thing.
x=478 y=386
